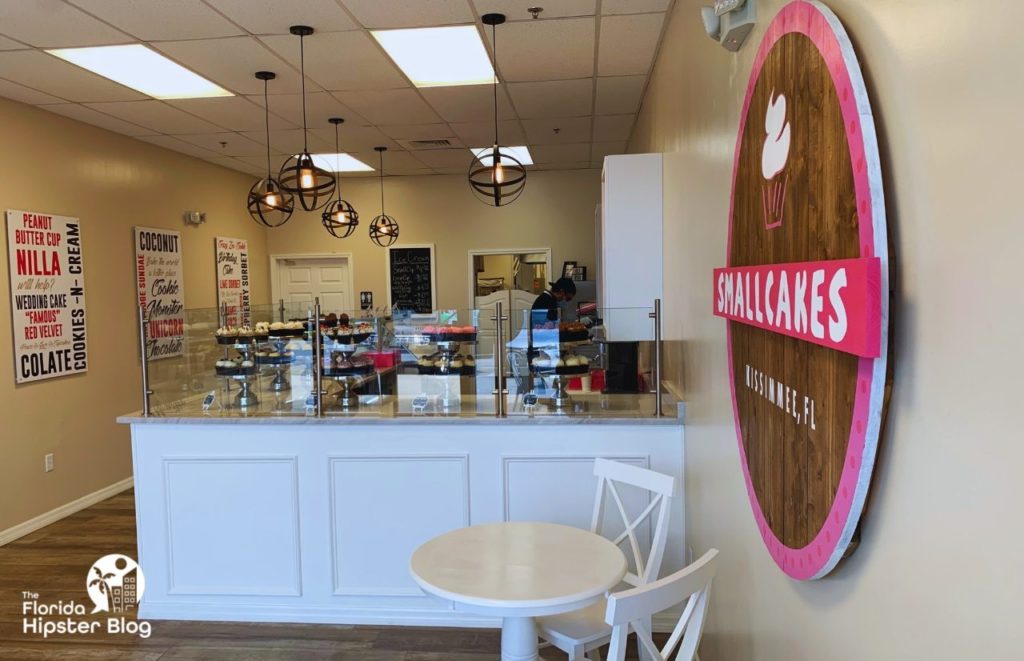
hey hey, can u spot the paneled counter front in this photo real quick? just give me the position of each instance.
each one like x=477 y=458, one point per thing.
x=314 y=519
x=286 y=471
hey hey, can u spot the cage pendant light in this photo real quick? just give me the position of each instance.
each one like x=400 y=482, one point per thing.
x=383 y=228
x=340 y=218
x=299 y=175
x=269 y=204
x=495 y=175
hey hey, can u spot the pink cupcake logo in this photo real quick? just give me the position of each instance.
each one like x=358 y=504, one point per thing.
x=773 y=161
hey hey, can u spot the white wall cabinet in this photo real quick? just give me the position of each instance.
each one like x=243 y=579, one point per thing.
x=630 y=243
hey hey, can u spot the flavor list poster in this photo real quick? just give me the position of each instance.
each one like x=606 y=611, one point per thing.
x=159 y=273
x=233 y=291
x=47 y=278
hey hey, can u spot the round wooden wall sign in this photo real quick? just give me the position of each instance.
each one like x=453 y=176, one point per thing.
x=806 y=291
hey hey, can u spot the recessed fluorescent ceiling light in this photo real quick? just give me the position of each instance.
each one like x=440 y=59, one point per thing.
x=439 y=57
x=142 y=69
x=340 y=163
x=486 y=154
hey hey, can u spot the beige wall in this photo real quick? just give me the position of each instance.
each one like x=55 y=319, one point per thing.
x=555 y=211
x=56 y=165
x=937 y=575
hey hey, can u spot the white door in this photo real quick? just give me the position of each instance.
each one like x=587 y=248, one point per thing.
x=300 y=281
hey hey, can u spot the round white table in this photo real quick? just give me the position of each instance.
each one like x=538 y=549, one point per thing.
x=518 y=571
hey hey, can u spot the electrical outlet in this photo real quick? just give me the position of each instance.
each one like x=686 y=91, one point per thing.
x=48 y=462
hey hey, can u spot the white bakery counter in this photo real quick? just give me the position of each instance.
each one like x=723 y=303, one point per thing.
x=315 y=519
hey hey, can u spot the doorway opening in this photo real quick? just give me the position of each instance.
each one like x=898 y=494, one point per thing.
x=298 y=280
x=513 y=277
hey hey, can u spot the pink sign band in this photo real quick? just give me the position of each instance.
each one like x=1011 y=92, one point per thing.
x=834 y=303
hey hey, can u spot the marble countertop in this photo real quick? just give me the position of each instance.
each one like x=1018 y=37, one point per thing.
x=621 y=413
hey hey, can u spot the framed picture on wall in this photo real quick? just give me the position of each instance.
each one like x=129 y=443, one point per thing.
x=568 y=268
x=579 y=273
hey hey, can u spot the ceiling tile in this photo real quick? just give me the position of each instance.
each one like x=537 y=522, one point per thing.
x=55 y=24
x=172 y=143
x=553 y=98
x=236 y=113
x=356 y=138
x=575 y=165
x=516 y=10
x=341 y=60
x=609 y=128
x=546 y=50
x=24 y=94
x=237 y=165
x=445 y=158
x=404 y=14
x=393 y=160
x=10 y=44
x=156 y=115
x=232 y=61
x=235 y=144
x=418 y=131
x=557 y=131
x=467 y=103
x=610 y=7
x=90 y=116
x=51 y=75
x=290 y=141
x=386 y=107
x=619 y=94
x=481 y=134
x=155 y=20
x=602 y=149
x=320 y=106
x=628 y=44
x=560 y=153
x=276 y=16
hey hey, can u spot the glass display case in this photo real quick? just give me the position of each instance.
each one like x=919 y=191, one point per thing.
x=284 y=360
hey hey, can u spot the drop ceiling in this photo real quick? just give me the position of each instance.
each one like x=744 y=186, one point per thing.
x=571 y=87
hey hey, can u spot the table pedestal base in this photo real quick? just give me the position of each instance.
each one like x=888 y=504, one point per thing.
x=518 y=639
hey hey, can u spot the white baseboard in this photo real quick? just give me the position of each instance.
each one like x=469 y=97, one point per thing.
x=662 y=623
x=58 y=513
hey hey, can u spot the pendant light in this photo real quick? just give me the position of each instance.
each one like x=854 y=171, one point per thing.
x=299 y=175
x=269 y=205
x=340 y=218
x=496 y=176
x=383 y=228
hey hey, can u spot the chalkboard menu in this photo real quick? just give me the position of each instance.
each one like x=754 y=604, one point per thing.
x=411 y=278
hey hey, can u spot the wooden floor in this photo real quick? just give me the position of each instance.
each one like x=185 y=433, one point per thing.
x=54 y=562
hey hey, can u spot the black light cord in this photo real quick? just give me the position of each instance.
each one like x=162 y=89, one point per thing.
x=381 y=153
x=266 y=114
x=302 y=68
x=494 y=65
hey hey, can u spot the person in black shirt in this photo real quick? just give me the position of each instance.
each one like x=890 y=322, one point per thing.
x=545 y=308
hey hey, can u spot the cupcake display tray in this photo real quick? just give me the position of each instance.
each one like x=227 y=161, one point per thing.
x=287 y=332
x=440 y=338
x=444 y=371
x=235 y=371
x=347 y=338
x=275 y=360
x=352 y=370
x=240 y=340
x=574 y=370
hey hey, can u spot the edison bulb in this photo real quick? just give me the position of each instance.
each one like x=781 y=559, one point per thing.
x=270 y=199
x=499 y=174
x=340 y=217
x=306 y=178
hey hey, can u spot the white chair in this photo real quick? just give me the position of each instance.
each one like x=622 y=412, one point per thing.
x=581 y=632
x=632 y=609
